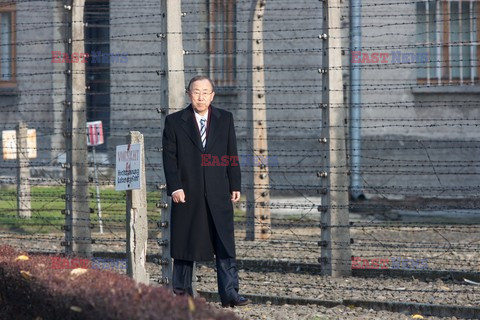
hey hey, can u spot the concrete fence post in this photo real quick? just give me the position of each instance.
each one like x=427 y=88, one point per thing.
x=78 y=235
x=173 y=99
x=335 y=257
x=258 y=195
x=24 y=209
x=137 y=221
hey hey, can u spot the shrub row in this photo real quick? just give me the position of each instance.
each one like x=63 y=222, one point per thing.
x=31 y=289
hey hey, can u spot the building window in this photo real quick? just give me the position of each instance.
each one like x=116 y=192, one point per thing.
x=449 y=33
x=7 y=41
x=222 y=46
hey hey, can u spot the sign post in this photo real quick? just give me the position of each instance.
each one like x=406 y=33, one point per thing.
x=95 y=138
x=130 y=176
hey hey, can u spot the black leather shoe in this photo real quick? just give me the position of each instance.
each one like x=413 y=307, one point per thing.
x=239 y=302
x=181 y=292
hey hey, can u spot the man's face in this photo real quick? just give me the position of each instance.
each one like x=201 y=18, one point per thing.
x=201 y=94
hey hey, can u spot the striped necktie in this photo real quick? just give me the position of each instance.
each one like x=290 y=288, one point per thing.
x=203 y=131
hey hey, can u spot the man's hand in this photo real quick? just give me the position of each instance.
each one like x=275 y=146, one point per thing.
x=235 y=196
x=178 y=197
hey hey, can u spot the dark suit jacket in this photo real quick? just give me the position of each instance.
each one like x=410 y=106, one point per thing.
x=191 y=225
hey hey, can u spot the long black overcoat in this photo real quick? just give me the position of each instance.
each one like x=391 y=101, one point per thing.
x=183 y=153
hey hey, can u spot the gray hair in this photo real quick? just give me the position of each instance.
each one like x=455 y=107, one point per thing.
x=199 y=78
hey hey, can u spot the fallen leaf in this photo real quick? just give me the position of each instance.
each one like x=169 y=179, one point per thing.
x=76 y=309
x=417 y=316
x=78 y=271
x=471 y=282
x=26 y=275
x=22 y=258
x=191 y=304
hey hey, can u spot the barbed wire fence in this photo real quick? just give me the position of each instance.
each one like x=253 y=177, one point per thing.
x=418 y=150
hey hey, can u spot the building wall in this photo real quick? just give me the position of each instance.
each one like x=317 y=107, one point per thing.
x=425 y=144
x=32 y=101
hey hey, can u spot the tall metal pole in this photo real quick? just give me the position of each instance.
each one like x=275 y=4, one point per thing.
x=356 y=184
x=173 y=99
x=258 y=196
x=335 y=235
x=97 y=190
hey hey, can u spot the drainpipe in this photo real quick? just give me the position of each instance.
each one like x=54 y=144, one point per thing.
x=356 y=187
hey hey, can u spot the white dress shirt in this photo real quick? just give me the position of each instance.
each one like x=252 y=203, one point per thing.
x=198 y=117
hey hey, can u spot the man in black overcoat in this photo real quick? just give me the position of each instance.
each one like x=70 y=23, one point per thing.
x=203 y=178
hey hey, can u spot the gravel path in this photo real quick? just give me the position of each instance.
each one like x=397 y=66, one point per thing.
x=445 y=248
x=337 y=289
x=314 y=312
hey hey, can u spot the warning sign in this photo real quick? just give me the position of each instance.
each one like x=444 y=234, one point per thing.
x=94 y=133
x=128 y=164
x=9 y=144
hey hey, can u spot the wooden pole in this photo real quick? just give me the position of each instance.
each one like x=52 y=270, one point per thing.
x=258 y=195
x=24 y=208
x=335 y=254
x=137 y=221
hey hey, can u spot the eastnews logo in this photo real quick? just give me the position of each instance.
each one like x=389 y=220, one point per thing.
x=389 y=263
x=209 y=160
x=393 y=57
x=94 y=263
x=95 y=57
